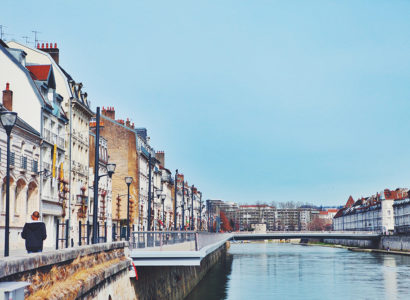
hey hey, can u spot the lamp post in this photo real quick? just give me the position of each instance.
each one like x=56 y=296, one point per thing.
x=8 y=119
x=175 y=199
x=158 y=193
x=128 y=181
x=110 y=171
x=163 y=196
x=192 y=207
x=200 y=210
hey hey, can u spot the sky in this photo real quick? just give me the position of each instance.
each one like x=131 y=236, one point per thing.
x=254 y=101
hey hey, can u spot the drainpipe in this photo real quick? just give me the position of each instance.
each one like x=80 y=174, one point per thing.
x=41 y=164
x=69 y=168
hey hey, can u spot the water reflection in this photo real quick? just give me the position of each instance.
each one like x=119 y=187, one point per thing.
x=284 y=271
x=214 y=285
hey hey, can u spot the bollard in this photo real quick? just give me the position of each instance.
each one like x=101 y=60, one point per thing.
x=66 y=233
x=57 y=233
x=79 y=233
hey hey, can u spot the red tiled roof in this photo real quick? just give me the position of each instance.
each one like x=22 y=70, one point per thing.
x=398 y=194
x=332 y=210
x=262 y=205
x=323 y=212
x=41 y=72
x=349 y=202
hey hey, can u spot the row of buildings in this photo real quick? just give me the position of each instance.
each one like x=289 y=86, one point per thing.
x=246 y=217
x=387 y=212
x=53 y=150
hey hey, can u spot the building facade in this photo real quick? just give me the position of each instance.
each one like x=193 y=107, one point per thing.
x=374 y=213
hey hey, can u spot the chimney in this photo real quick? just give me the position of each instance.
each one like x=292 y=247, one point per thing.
x=160 y=155
x=8 y=98
x=53 y=51
x=109 y=112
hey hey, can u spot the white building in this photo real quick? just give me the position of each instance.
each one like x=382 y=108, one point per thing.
x=374 y=213
x=36 y=101
x=24 y=179
x=401 y=207
x=75 y=136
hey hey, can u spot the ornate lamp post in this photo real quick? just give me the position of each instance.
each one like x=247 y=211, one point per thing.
x=158 y=193
x=8 y=119
x=192 y=208
x=163 y=196
x=128 y=181
x=110 y=172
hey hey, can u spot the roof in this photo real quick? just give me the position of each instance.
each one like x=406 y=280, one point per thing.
x=40 y=72
x=349 y=202
x=397 y=194
x=323 y=212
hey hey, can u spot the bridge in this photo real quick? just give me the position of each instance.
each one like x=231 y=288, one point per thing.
x=188 y=248
x=286 y=235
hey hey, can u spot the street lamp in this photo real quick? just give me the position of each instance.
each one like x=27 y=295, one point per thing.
x=110 y=171
x=158 y=193
x=128 y=181
x=192 y=208
x=8 y=119
x=163 y=196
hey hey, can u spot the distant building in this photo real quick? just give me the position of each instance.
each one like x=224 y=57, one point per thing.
x=401 y=208
x=250 y=215
x=374 y=213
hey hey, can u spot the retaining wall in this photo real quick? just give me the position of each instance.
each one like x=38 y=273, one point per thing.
x=353 y=243
x=173 y=282
x=395 y=242
x=90 y=272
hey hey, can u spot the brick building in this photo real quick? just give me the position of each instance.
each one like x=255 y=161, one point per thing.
x=122 y=148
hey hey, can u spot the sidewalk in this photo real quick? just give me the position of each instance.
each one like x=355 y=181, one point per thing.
x=21 y=252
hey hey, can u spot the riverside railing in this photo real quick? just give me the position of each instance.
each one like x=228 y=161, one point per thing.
x=164 y=240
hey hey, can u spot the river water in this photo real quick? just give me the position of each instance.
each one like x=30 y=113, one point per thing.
x=285 y=271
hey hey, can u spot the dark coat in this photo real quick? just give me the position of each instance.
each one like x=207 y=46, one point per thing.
x=34 y=233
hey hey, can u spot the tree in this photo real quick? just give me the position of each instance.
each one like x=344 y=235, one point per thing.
x=225 y=224
x=319 y=224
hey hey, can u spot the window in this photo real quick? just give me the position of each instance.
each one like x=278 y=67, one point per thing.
x=35 y=166
x=12 y=156
x=24 y=162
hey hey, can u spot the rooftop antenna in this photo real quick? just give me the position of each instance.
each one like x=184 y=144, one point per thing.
x=1 y=31
x=35 y=37
x=26 y=38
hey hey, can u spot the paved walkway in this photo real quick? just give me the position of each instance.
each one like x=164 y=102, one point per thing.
x=20 y=252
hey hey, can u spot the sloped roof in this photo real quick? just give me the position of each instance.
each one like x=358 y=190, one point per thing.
x=40 y=72
x=349 y=202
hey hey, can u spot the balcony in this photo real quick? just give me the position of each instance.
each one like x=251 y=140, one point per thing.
x=53 y=138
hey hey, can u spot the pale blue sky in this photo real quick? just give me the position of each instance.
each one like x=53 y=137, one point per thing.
x=252 y=100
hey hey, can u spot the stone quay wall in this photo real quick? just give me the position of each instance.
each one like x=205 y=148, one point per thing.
x=172 y=283
x=89 y=272
x=395 y=242
x=369 y=244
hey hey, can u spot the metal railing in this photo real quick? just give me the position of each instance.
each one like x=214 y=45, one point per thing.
x=164 y=240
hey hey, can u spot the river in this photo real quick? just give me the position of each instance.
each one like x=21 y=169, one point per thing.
x=286 y=271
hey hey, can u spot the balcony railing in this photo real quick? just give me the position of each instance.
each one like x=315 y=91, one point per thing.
x=53 y=138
